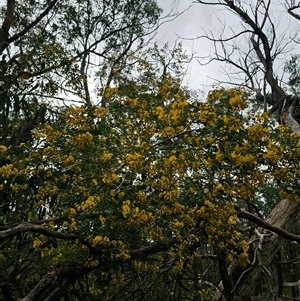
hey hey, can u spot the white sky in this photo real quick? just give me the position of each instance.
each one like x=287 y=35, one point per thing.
x=199 y=18
x=188 y=25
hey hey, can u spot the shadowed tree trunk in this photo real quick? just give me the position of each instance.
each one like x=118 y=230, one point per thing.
x=244 y=281
x=279 y=274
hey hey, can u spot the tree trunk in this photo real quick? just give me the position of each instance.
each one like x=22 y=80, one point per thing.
x=279 y=274
x=245 y=280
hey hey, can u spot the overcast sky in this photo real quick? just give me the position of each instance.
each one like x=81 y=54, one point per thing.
x=198 y=18
x=188 y=25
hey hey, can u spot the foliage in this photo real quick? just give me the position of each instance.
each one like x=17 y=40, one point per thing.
x=135 y=195
x=292 y=67
x=139 y=189
x=58 y=51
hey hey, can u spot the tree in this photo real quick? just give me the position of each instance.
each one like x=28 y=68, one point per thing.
x=253 y=65
x=40 y=62
x=56 y=50
x=141 y=192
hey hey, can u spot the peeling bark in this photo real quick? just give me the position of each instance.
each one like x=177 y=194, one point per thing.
x=245 y=280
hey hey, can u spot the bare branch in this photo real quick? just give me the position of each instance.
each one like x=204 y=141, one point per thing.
x=30 y=227
x=291 y=7
x=262 y=223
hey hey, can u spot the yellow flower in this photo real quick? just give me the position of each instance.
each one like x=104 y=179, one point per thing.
x=102 y=219
x=219 y=156
x=243 y=259
x=94 y=263
x=179 y=224
x=203 y=116
x=229 y=258
x=269 y=154
x=134 y=160
x=234 y=100
x=132 y=102
x=142 y=216
x=210 y=140
x=72 y=212
x=84 y=139
x=175 y=115
x=69 y=159
x=100 y=112
x=97 y=240
x=90 y=201
x=232 y=220
x=226 y=119
x=106 y=156
x=172 y=159
x=126 y=208
x=37 y=244
x=160 y=112
x=178 y=207
x=3 y=148
x=168 y=131
x=109 y=92
x=208 y=162
x=107 y=180
x=115 y=177
x=209 y=204
x=8 y=170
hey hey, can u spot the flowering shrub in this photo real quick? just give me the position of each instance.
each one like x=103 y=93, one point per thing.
x=150 y=178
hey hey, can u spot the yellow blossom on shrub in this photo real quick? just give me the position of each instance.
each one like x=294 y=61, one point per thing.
x=126 y=208
x=106 y=156
x=37 y=244
x=89 y=203
x=8 y=170
x=97 y=240
x=3 y=148
x=160 y=112
x=101 y=112
x=219 y=156
x=134 y=160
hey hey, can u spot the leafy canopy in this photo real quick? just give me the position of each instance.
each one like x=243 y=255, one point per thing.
x=149 y=178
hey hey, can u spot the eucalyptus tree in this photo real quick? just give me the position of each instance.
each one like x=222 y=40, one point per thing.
x=134 y=192
x=54 y=53
x=52 y=48
x=251 y=54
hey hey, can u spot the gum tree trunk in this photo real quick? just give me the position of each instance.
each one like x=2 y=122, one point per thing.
x=244 y=281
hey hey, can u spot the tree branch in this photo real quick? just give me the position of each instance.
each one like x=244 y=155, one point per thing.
x=7 y=41
x=30 y=227
x=159 y=247
x=262 y=223
x=4 y=30
x=51 y=277
x=291 y=7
